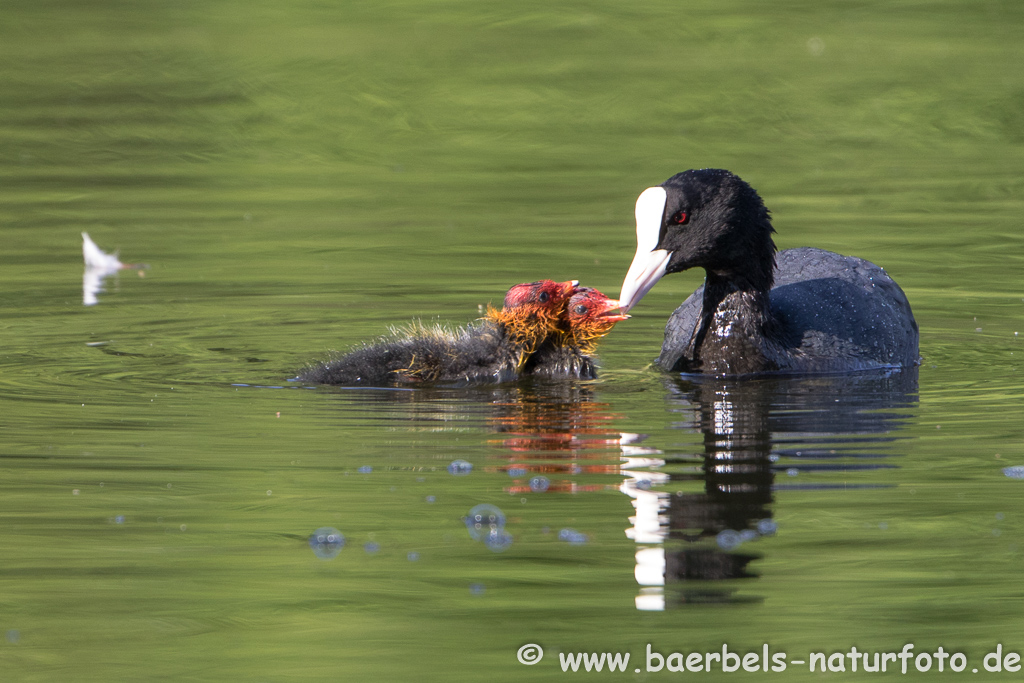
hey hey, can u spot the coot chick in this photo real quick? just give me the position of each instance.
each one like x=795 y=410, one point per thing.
x=569 y=352
x=494 y=349
x=808 y=311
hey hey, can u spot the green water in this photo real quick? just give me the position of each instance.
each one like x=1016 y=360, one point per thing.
x=299 y=176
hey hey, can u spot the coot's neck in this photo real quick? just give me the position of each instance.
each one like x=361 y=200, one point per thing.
x=736 y=331
x=519 y=336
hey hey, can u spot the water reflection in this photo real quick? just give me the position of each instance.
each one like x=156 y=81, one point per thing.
x=698 y=511
x=100 y=265
x=555 y=432
x=753 y=429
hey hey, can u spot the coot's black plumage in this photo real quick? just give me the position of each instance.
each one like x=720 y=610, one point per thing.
x=807 y=311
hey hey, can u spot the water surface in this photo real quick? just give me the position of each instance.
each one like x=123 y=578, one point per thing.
x=299 y=177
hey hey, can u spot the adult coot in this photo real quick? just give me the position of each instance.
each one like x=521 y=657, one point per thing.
x=806 y=311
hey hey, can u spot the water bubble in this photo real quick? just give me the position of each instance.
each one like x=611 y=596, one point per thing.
x=1015 y=472
x=326 y=542
x=13 y=635
x=572 y=536
x=1000 y=516
x=748 y=535
x=498 y=540
x=767 y=527
x=371 y=547
x=643 y=484
x=365 y=469
x=539 y=484
x=413 y=556
x=459 y=468
x=483 y=520
x=430 y=499
x=728 y=539
x=517 y=471
x=997 y=532
x=119 y=519
x=883 y=525
x=476 y=589
x=792 y=471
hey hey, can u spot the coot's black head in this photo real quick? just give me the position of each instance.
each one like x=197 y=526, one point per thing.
x=707 y=218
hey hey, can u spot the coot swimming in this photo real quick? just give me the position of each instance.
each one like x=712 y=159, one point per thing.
x=806 y=311
x=494 y=349
x=545 y=328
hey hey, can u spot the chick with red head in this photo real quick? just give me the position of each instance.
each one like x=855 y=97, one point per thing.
x=570 y=352
x=495 y=349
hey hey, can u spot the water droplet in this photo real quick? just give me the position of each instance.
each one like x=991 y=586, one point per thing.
x=119 y=519
x=371 y=547
x=517 y=471
x=539 y=484
x=365 y=469
x=767 y=527
x=748 y=535
x=728 y=539
x=572 y=536
x=476 y=589
x=413 y=556
x=792 y=471
x=483 y=520
x=459 y=468
x=326 y=542
x=498 y=540
x=430 y=499
x=13 y=635
x=1015 y=472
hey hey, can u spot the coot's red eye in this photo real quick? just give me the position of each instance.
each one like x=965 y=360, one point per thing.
x=680 y=218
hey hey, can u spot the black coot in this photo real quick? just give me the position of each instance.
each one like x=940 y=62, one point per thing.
x=807 y=311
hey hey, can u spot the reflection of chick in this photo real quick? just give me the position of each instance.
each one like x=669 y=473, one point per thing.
x=495 y=349
x=569 y=353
